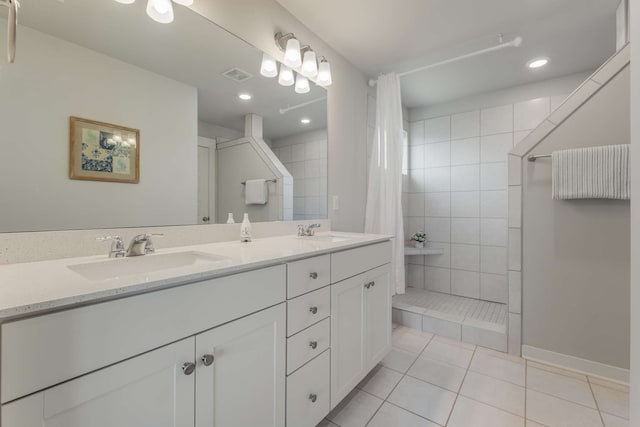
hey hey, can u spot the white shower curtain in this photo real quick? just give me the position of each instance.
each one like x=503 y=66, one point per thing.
x=384 y=205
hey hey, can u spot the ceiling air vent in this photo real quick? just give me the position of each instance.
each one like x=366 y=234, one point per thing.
x=237 y=75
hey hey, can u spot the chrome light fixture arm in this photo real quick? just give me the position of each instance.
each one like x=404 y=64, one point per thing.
x=12 y=25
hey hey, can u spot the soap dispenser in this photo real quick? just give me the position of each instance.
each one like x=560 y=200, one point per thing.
x=230 y=219
x=245 y=229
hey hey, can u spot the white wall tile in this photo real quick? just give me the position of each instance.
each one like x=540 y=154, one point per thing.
x=298 y=205
x=515 y=291
x=297 y=170
x=493 y=259
x=465 y=230
x=416 y=181
x=297 y=152
x=312 y=187
x=493 y=287
x=312 y=168
x=484 y=338
x=285 y=154
x=416 y=204
x=438 y=204
x=556 y=101
x=515 y=170
x=416 y=133
x=529 y=114
x=465 y=151
x=437 y=179
x=443 y=260
x=465 y=257
x=438 y=129
x=493 y=232
x=496 y=120
x=515 y=249
x=413 y=225
x=465 y=178
x=493 y=176
x=465 y=125
x=493 y=204
x=494 y=148
x=519 y=136
x=312 y=205
x=415 y=276
x=438 y=229
x=438 y=279
x=437 y=154
x=416 y=157
x=515 y=206
x=515 y=334
x=465 y=204
x=408 y=319
x=465 y=283
x=312 y=150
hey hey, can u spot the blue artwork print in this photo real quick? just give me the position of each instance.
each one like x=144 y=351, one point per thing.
x=94 y=165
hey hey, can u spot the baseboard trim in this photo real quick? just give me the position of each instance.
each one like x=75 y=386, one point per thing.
x=583 y=366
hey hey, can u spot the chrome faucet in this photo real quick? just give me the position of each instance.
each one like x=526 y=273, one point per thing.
x=142 y=245
x=309 y=230
x=117 y=246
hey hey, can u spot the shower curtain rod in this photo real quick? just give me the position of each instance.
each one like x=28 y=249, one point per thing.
x=304 y=104
x=513 y=43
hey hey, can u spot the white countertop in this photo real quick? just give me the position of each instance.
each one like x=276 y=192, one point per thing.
x=30 y=288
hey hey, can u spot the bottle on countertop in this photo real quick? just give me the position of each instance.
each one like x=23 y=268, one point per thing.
x=245 y=229
x=230 y=219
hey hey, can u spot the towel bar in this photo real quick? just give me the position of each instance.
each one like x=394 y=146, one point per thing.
x=268 y=180
x=534 y=157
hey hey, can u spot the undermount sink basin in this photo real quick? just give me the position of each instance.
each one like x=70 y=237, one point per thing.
x=329 y=238
x=133 y=266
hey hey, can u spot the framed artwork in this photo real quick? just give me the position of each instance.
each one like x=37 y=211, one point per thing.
x=104 y=152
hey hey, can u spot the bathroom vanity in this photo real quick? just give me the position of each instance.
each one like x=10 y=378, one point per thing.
x=269 y=333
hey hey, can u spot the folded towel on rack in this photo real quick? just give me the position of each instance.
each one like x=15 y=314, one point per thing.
x=591 y=173
x=255 y=192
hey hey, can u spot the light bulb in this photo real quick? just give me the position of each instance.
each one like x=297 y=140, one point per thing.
x=309 y=64
x=324 y=74
x=292 y=54
x=184 y=2
x=537 y=63
x=126 y=1
x=160 y=11
x=286 y=76
x=269 y=67
x=305 y=121
x=302 y=84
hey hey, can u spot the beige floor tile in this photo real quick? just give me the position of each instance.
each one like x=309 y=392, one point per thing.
x=529 y=423
x=501 y=394
x=561 y=386
x=467 y=412
x=502 y=369
x=424 y=399
x=610 y=384
x=355 y=410
x=380 y=382
x=438 y=373
x=613 y=421
x=448 y=353
x=399 y=360
x=560 y=371
x=554 y=412
x=392 y=416
x=457 y=343
x=409 y=341
x=612 y=401
x=500 y=354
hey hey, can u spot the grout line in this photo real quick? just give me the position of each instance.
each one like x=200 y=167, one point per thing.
x=460 y=388
x=593 y=394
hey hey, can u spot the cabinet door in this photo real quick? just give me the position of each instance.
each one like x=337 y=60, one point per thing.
x=377 y=315
x=146 y=391
x=347 y=336
x=243 y=384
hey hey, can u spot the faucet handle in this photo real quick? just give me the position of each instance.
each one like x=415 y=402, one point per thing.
x=117 y=245
x=148 y=247
x=301 y=230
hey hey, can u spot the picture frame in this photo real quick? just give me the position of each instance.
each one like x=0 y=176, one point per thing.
x=102 y=151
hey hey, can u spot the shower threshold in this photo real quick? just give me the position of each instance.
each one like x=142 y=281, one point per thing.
x=464 y=319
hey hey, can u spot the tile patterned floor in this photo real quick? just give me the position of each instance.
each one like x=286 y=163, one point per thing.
x=431 y=381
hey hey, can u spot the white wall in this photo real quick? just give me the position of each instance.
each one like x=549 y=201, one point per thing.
x=305 y=157
x=52 y=80
x=219 y=133
x=635 y=216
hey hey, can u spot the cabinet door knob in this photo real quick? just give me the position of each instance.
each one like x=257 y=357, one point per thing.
x=313 y=397
x=313 y=344
x=373 y=283
x=313 y=309
x=313 y=275
x=207 y=359
x=367 y=285
x=188 y=368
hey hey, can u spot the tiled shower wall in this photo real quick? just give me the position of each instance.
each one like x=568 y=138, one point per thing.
x=456 y=191
x=305 y=156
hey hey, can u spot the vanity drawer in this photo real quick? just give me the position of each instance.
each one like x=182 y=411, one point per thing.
x=46 y=350
x=307 y=344
x=308 y=275
x=351 y=262
x=308 y=393
x=308 y=309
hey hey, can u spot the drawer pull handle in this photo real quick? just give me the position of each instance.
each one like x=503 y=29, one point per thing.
x=188 y=368
x=207 y=359
x=313 y=397
x=313 y=344
x=373 y=283
x=313 y=275
x=369 y=284
x=313 y=310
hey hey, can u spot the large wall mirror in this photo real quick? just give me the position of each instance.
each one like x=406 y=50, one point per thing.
x=182 y=86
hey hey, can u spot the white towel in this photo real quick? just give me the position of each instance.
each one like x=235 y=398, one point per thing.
x=255 y=192
x=591 y=173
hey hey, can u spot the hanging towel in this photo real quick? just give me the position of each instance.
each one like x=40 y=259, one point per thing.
x=255 y=192
x=591 y=173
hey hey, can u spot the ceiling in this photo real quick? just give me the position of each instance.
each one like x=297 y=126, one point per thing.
x=380 y=36
x=191 y=50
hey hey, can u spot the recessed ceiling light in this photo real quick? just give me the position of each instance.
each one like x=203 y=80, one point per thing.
x=537 y=63
x=244 y=96
x=305 y=121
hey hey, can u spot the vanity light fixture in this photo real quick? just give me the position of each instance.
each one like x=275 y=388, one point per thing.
x=160 y=10
x=309 y=63
x=537 y=63
x=293 y=59
x=305 y=121
x=286 y=76
x=324 y=73
x=245 y=96
x=302 y=84
x=290 y=45
x=269 y=66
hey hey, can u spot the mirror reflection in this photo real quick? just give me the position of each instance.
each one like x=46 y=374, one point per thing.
x=209 y=124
